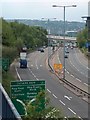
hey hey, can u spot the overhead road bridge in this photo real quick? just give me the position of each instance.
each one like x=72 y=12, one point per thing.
x=61 y=38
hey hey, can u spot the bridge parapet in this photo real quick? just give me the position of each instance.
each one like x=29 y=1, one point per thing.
x=61 y=38
x=7 y=109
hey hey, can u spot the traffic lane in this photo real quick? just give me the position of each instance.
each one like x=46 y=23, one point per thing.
x=80 y=55
x=71 y=78
x=77 y=65
x=59 y=91
x=35 y=61
x=70 y=69
x=51 y=86
x=24 y=74
x=73 y=72
x=59 y=104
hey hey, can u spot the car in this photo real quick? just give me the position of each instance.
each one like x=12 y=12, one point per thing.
x=42 y=50
x=67 y=51
x=39 y=49
x=71 y=47
x=66 y=56
x=44 y=47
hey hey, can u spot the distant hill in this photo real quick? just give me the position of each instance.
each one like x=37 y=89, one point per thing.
x=53 y=27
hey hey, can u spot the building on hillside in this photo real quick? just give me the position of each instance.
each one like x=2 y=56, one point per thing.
x=71 y=33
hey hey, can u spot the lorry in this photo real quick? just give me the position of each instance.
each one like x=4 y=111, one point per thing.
x=23 y=63
x=23 y=60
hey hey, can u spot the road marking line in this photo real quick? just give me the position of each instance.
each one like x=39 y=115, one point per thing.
x=48 y=90
x=80 y=117
x=37 y=79
x=18 y=74
x=67 y=72
x=33 y=74
x=62 y=102
x=54 y=95
x=78 y=79
x=40 y=65
x=31 y=65
x=86 y=84
x=71 y=75
x=71 y=110
x=36 y=64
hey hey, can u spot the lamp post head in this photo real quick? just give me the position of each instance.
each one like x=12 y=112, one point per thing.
x=74 y=5
x=54 y=5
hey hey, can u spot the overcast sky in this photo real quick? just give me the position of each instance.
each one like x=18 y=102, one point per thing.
x=37 y=9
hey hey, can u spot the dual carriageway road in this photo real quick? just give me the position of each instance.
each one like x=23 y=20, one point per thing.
x=60 y=97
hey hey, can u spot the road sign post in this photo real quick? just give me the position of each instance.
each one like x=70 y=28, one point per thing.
x=58 y=68
x=25 y=91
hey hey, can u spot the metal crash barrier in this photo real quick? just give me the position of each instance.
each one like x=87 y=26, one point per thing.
x=7 y=109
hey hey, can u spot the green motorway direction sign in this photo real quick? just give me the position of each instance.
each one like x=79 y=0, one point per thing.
x=25 y=91
x=4 y=63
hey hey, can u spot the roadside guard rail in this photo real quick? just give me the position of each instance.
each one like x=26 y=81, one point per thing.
x=7 y=109
x=82 y=93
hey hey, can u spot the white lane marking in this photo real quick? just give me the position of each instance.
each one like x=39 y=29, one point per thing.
x=58 y=58
x=40 y=65
x=80 y=61
x=32 y=65
x=76 y=68
x=37 y=79
x=71 y=75
x=67 y=72
x=18 y=74
x=36 y=64
x=54 y=95
x=78 y=79
x=71 y=110
x=80 y=117
x=86 y=84
x=65 y=117
x=48 y=90
x=33 y=74
x=69 y=98
x=62 y=102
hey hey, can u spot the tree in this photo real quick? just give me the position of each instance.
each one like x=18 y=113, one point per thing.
x=82 y=38
x=8 y=37
x=37 y=111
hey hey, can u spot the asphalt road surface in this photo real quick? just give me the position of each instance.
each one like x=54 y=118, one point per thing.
x=60 y=97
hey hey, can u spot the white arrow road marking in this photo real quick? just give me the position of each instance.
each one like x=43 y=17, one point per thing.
x=69 y=98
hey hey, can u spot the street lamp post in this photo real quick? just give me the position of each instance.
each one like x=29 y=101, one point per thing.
x=64 y=6
x=48 y=29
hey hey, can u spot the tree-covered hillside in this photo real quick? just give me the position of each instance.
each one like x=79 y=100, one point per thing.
x=16 y=35
x=55 y=26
